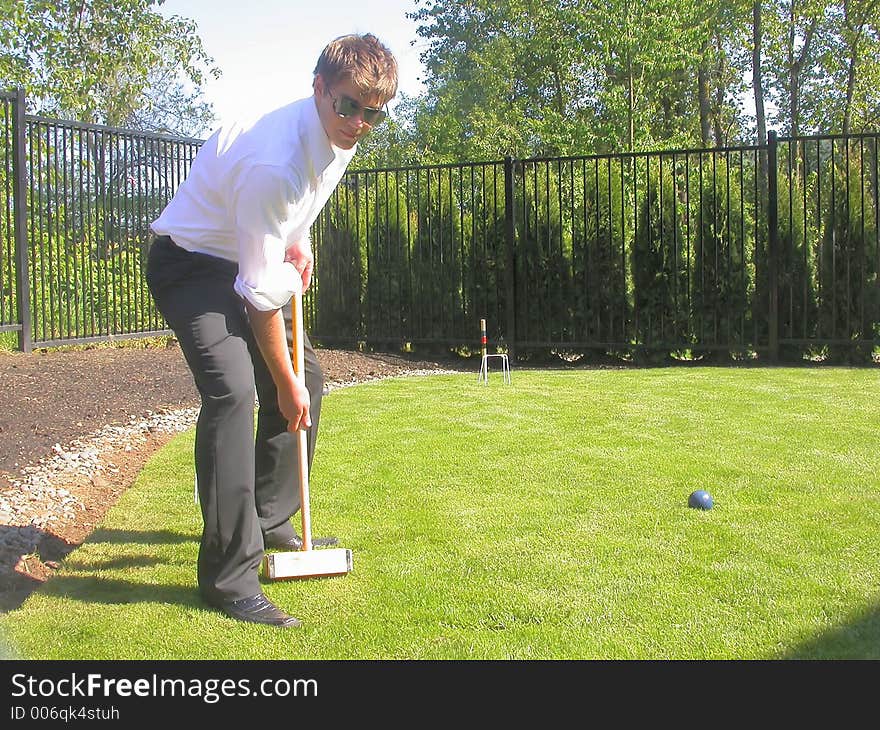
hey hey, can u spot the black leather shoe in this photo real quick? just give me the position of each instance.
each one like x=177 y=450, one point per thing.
x=295 y=543
x=256 y=610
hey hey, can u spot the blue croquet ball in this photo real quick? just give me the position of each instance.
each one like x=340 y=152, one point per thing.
x=701 y=499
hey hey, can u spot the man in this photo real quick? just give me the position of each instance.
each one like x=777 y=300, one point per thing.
x=230 y=250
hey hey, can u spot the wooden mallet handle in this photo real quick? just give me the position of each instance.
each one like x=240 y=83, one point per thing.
x=302 y=433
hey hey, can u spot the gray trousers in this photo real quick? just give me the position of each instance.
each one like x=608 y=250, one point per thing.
x=248 y=485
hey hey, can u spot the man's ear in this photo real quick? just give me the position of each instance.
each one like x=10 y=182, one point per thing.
x=318 y=84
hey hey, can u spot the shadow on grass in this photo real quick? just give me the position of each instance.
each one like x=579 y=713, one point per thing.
x=111 y=591
x=95 y=589
x=146 y=537
x=37 y=552
x=859 y=638
x=134 y=561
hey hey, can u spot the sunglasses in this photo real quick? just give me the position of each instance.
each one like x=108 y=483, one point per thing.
x=345 y=106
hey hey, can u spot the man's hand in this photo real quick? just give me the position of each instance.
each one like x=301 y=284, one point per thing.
x=300 y=255
x=294 y=403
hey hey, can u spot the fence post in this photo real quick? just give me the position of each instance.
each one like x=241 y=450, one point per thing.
x=772 y=247
x=510 y=261
x=19 y=176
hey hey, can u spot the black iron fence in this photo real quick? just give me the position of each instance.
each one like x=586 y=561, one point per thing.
x=828 y=245
x=763 y=251
x=741 y=252
x=78 y=200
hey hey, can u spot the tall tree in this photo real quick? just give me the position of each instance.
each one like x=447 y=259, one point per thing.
x=792 y=30
x=505 y=78
x=860 y=36
x=526 y=77
x=847 y=53
x=718 y=27
x=106 y=61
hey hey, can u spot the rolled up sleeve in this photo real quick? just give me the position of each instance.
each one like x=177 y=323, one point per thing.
x=263 y=205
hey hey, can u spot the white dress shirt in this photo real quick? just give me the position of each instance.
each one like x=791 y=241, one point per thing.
x=253 y=190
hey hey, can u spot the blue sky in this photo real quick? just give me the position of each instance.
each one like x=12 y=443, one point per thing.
x=267 y=49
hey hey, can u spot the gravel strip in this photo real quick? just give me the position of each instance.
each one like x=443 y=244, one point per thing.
x=36 y=500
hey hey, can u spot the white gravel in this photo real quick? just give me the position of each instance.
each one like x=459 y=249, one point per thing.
x=35 y=501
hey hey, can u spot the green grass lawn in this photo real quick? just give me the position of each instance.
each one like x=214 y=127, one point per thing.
x=547 y=519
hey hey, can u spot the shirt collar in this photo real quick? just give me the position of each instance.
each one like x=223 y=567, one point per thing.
x=322 y=152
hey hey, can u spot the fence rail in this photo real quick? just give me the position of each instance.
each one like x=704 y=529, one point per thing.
x=761 y=251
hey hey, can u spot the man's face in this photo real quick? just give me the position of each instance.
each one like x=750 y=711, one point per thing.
x=344 y=131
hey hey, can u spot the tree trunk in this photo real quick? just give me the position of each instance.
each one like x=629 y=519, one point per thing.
x=631 y=100
x=718 y=111
x=703 y=94
x=797 y=67
x=757 y=82
x=850 y=89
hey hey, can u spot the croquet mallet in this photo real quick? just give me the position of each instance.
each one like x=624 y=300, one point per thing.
x=308 y=562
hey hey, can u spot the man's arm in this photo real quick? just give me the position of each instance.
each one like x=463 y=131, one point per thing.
x=271 y=336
